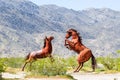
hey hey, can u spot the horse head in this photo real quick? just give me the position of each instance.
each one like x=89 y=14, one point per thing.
x=50 y=38
x=70 y=32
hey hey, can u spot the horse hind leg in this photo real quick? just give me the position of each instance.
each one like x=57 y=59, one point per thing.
x=80 y=67
x=76 y=70
x=31 y=61
x=24 y=66
x=27 y=61
x=31 y=65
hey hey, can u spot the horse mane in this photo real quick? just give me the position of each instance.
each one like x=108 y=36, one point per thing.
x=79 y=37
x=72 y=30
x=44 y=43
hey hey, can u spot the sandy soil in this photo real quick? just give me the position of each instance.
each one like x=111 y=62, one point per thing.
x=94 y=76
x=21 y=76
x=77 y=76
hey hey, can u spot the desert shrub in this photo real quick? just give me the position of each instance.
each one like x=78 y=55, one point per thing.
x=117 y=64
x=2 y=65
x=110 y=63
x=46 y=67
x=118 y=51
x=71 y=62
x=14 y=62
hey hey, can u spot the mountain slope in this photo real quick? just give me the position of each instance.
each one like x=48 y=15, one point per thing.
x=23 y=26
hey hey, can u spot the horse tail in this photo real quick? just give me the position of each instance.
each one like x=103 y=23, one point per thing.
x=94 y=64
x=27 y=57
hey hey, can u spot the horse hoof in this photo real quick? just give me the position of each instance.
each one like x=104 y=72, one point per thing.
x=93 y=70
x=75 y=71
x=22 y=69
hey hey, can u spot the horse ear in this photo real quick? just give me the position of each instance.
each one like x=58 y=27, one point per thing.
x=67 y=31
x=45 y=37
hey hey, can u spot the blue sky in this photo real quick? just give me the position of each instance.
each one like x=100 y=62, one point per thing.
x=82 y=4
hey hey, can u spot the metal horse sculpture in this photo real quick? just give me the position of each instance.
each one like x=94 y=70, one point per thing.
x=46 y=51
x=84 y=53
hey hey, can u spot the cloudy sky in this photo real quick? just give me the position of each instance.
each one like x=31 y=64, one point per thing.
x=81 y=4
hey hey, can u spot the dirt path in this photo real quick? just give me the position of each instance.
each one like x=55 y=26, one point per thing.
x=21 y=76
x=94 y=76
x=77 y=76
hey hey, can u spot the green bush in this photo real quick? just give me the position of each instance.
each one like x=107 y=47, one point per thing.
x=71 y=62
x=117 y=64
x=14 y=62
x=110 y=63
x=46 y=67
x=59 y=67
x=118 y=51
x=2 y=65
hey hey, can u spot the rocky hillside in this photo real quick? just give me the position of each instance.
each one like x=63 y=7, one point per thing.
x=23 y=26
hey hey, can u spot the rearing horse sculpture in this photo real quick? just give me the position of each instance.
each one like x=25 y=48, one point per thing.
x=46 y=51
x=84 y=53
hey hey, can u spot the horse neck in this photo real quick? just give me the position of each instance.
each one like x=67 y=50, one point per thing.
x=77 y=39
x=80 y=43
x=48 y=46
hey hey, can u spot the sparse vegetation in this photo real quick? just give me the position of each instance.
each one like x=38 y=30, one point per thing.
x=110 y=63
x=2 y=65
x=44 y=67
x=59 y=67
